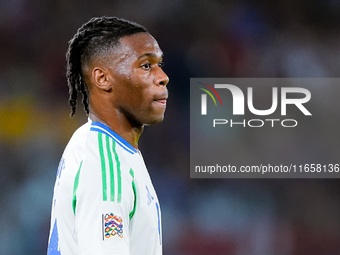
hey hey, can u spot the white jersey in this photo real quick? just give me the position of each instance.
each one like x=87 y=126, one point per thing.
x=104 y=201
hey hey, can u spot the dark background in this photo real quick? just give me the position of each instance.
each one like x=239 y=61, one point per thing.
x=285 y=38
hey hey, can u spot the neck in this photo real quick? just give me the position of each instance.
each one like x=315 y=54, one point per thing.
x=121 y=125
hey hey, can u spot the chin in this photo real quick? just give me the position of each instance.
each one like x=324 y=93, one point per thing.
x=154 y=121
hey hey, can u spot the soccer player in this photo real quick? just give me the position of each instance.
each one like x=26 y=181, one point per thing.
x=104 y=201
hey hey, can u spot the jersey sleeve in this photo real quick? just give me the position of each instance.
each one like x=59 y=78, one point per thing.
x=103 y=199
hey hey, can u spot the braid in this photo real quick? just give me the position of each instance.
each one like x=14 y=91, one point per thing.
x=95 y=37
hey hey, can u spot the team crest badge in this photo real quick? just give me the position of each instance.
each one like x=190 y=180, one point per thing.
x=112 y=226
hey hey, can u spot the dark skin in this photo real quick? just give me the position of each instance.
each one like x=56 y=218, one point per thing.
x=127 y=87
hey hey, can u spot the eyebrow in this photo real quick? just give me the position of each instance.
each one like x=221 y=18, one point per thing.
x=150 y=54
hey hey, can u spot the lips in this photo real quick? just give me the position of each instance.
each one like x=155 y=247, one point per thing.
x=161 y=101
x=162 y=98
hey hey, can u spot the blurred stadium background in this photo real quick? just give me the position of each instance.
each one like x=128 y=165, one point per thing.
x=235 y=38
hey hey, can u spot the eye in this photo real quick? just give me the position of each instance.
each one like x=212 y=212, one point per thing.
x=146 y=66
x=161 y=63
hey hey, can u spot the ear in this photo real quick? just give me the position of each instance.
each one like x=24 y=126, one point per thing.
x=101 y=78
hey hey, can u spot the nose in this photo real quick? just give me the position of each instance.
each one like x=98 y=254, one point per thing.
x=162 y=79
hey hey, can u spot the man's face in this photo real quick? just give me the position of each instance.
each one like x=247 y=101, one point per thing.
x=138 y=81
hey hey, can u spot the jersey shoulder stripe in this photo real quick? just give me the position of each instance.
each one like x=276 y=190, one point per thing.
x=75 y=187
x=109 y=170
x=135 y=194
x=119 y=174
x=111 y=166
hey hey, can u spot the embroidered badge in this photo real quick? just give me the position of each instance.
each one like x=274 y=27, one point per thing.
x=112 y=226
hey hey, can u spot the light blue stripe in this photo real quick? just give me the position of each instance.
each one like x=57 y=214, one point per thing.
x=159 y=224
x=54 y=241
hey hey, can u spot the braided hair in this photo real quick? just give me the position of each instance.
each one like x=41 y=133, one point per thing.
x=97 y=36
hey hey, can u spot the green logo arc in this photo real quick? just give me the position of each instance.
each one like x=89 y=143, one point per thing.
x=209 y=95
